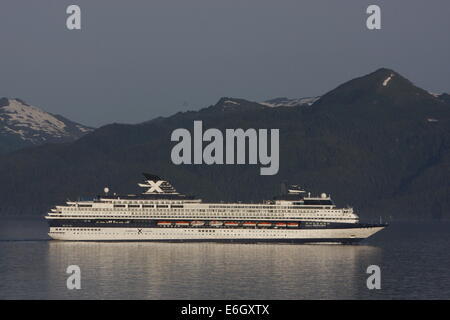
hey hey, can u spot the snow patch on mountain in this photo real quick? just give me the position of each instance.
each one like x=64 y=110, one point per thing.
x=286 y=102
x=35 y=126
x=20 y=133
x=83 y=129
x=20 y=115
x=386 y=81
x=230 y=102
x=436 y=95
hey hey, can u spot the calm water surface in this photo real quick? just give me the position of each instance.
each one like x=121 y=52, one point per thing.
x=414 y=261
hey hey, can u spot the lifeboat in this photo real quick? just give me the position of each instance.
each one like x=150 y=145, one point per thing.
x=264 y=224
x=164 y=223
x=280 y=225
x=216 y=223
x=197 y=223
x=292 y=225
x=231 y=224
x=249 y=224
x=182 y=224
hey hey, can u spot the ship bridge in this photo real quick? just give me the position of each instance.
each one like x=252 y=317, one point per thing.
x=295 y=195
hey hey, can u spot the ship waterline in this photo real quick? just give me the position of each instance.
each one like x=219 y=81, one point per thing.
x=162 y=214
x=343 y=235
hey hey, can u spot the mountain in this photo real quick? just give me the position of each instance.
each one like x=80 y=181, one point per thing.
x=377 y=142
x=383 y=86
x=23 y=125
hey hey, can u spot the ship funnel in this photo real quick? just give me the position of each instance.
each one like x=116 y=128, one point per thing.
x=155 y=184
x=283 y=188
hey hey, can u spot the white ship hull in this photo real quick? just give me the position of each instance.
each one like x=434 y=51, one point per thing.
x=337 y=235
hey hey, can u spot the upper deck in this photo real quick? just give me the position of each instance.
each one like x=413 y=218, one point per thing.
x=161 y=200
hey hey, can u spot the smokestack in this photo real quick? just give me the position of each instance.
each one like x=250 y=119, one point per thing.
x=284 y=188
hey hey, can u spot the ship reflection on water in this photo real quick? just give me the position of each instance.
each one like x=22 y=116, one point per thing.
x=211 y=270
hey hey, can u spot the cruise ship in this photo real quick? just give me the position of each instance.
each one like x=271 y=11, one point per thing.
x=160 y=213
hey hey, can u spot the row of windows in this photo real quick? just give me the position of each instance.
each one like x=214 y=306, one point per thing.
x=233 y=231
x=74 y=217
x=230 y=216
x=201 y=212
x=129 y=206
x=208 y=215
x=259 y=207
x=73 y=204
x=77 y=229
x=190 y=210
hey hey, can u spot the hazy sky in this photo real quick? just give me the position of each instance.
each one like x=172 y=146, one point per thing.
x=135 y=60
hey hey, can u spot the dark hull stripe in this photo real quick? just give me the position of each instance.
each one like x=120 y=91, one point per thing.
x=98 y=223
x=297 y=241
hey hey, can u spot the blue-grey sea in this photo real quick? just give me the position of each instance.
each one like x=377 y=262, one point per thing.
x=414 y=259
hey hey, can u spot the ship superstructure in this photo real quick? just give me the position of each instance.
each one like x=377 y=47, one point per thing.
x=160 y=213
